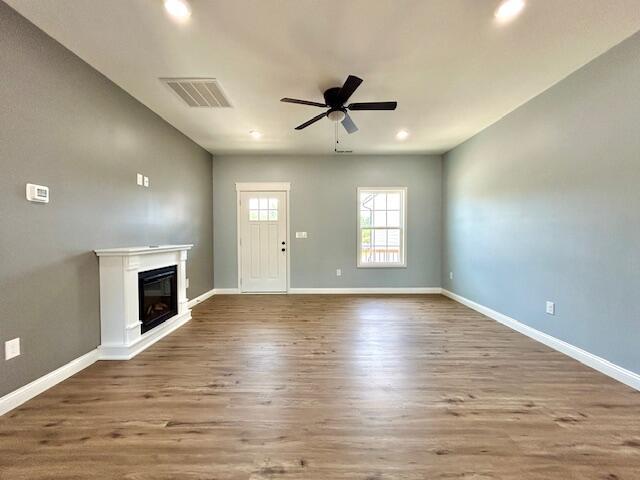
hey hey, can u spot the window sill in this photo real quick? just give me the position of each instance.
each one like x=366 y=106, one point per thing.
x=382 y=265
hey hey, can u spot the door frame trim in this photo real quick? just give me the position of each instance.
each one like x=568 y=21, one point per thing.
x=284 y=187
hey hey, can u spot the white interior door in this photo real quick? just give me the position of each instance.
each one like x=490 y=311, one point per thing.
x=263 y=241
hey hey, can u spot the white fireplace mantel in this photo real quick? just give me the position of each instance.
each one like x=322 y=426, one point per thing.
x=121 y=337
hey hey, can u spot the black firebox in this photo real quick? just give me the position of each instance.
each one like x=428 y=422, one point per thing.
x=158 y=296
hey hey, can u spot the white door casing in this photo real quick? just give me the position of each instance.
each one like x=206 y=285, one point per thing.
x=263 y=243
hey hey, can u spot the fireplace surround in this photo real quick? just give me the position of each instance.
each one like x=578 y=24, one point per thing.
x=131 y=320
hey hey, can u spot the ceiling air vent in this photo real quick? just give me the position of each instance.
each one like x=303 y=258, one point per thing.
x=198 y=92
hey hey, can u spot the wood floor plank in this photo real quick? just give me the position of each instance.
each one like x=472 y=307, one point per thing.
x=370 y=387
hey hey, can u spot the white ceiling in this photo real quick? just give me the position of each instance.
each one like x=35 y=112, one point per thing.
x=451 y=68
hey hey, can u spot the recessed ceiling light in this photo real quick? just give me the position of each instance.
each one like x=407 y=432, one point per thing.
x=255 y=134
x=508 y=10
x=402 y=135
x=179 y=9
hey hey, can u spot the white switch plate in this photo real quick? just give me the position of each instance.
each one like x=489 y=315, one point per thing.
x=450 y=275
x=11 y=348
x=186 y=283
x=301 y=234
x=551 y=308
x=338 y=272
x=139 y=179
x=146 y=181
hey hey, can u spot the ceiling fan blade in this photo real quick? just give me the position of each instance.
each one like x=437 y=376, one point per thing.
x=373 y=106
x=351 y=83
x=302 y=102
x=348 y=124
x=313 y=120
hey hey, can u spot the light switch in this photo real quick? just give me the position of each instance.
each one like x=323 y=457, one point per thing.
x=301 y=234
x=146 y=181
x=11 y=348
x=139 y=179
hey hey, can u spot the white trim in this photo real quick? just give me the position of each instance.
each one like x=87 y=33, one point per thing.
x=403 y=229
x=263 y=186
x=226 y=291
x=610 y=369
x=385 y=290
x=200 y=298
x=27 y=392
x=145 y=250
x=122 y=352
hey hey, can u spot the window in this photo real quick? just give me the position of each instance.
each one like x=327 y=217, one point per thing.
x=263 y=209
x=381 y=227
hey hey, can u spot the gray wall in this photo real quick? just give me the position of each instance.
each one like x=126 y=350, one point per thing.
x=545 y=205
x=323 y=203
x=65 y=125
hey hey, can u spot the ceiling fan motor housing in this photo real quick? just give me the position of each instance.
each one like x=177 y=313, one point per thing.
x=332 y=97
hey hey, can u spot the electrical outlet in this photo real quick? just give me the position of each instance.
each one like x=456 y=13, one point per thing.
x=450 y=275
x=186 y=283
x=551 y=308
x=146 y=181
x=139 y=179
x=11 y=348
x=301 y=234
x=338 y=272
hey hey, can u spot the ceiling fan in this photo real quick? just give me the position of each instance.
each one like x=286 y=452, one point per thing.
x=336 y=98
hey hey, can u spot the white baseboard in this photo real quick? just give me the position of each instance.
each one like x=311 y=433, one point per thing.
x=612 y=370
x=200 y=298
x=390 y=290
x=119 y=352
x=226 y=291
x=30 y=390
x=103 y=352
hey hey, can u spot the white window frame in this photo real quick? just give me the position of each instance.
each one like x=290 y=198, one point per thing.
x=403 y=227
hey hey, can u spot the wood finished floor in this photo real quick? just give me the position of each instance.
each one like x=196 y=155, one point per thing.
x=330 y=387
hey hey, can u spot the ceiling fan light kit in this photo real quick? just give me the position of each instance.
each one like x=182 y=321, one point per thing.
x=335 y=99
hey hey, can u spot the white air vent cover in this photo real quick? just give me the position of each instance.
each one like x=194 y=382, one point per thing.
x=198 y=92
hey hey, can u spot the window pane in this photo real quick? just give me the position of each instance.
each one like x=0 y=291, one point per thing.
x=366 y=237
x=253 y=203
x=379 y=238
x=380 y=201
x=365 y=218
x=273 y=215
x=273 y=204
x=379 y=219
x=393 y=237
x=253 y=215
x=393 y=201
x=365 y=248
x=381 y=224
x=264 y=215
x=393 y=219
x=366 y=201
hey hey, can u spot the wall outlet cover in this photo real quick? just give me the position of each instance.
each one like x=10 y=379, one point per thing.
x=146 y=181
x=139 y=179
x=551 y=308
x=338 y=272
x=301 y=234
x=186 y=283
x=450 y=275
x=11 y=348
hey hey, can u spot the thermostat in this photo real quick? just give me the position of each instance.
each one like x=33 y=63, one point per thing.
x=37 y=193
